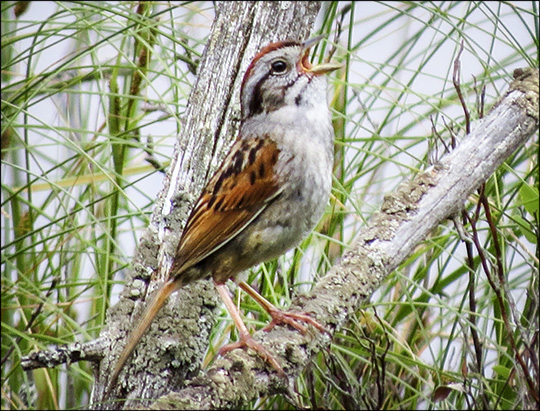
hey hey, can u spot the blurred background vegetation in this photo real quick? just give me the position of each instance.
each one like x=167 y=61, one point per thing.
x=455 y=327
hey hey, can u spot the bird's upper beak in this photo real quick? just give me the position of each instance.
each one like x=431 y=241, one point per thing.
x=319 y=68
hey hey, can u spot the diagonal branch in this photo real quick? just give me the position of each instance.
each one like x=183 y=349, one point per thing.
x=405 y=220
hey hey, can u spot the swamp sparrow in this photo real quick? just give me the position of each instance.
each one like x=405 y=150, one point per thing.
x=267 y=195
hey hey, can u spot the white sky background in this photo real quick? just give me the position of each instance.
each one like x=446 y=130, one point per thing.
x=371 y=58
x=368 y=69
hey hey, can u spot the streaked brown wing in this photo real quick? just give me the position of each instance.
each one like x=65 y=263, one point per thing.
x=240 y=190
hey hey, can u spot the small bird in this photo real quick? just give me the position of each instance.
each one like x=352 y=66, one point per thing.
x=267 y=195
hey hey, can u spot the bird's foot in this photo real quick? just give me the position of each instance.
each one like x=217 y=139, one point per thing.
x=246 y=340
x=293 y=319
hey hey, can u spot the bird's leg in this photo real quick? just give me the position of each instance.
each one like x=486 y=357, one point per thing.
x=246 y=340
x=279 y=316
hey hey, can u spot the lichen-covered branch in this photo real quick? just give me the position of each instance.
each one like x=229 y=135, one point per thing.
x=173 y=348
x=90 y=351
x=406 y=218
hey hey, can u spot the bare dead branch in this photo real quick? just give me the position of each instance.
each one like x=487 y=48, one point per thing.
x=405 y=220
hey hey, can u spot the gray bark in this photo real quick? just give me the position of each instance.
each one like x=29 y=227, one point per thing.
x=173 y=349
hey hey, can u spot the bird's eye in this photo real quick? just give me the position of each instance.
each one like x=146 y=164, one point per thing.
x=279 y=66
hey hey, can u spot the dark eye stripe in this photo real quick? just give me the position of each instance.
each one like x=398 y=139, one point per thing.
x=256 y=103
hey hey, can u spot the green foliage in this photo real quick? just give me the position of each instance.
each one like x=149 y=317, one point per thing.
x=91 y=99
x=92 y=96
x=456 y=326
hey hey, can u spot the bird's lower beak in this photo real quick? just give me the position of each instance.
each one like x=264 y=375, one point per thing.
x=319 y=68
x=325 y=67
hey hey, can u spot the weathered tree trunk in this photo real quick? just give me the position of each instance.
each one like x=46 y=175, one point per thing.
x=173 y=348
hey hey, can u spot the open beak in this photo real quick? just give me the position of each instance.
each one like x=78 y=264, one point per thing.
x=319 y=68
